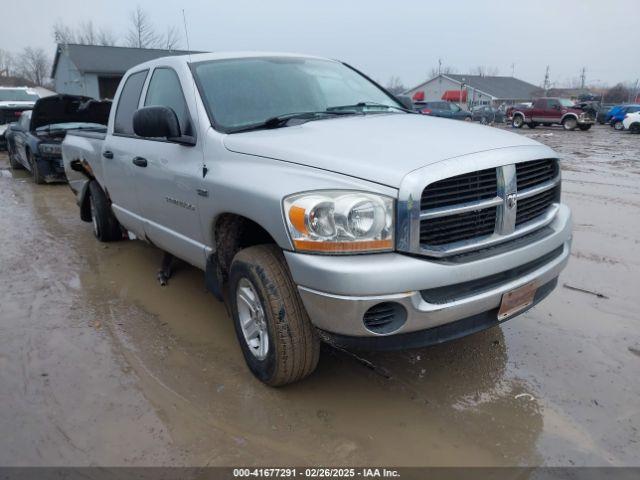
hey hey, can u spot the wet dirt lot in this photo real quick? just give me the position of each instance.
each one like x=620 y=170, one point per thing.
x=99 y=365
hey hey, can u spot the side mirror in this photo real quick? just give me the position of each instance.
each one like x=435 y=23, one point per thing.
x=159 y=122
x=406 y=101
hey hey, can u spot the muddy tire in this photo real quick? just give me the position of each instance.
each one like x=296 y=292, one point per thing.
x=518 y=121
x=105 y=225
x=618 y=125
x=35 y=170
x=584 y=128
x=278 y=341
x=569 y=123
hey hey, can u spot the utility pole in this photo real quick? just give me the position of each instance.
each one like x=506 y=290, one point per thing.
x=439 y=66
x=583 y=76
x=545 y=85
x=513 y=69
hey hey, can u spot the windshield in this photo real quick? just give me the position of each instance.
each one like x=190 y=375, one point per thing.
x=70 y=126
x=565 y=102
x=17 y=95
x=244 y=92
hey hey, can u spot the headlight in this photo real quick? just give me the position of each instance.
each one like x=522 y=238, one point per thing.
x=50 y=149
x=340 y=221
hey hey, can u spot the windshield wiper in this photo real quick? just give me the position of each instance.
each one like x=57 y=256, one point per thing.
x=363 y=105
x=282 y=120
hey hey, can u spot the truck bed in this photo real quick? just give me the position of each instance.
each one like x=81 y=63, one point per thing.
x=84 y=147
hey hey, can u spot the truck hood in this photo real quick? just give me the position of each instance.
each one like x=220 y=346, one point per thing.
x=381 y=148
x=69 y=108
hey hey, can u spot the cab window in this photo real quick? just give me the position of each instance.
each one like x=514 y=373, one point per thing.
x=128 y=103
x=165 y=90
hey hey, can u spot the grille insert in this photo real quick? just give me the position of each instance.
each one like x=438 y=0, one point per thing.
x=531 y=174
x=532 y=207
x=468 y=187
x=454 y=228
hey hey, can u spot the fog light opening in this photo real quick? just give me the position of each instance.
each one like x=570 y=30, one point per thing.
x=385 y=318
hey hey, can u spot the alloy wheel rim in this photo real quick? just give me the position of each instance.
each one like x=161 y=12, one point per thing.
x=252 y=319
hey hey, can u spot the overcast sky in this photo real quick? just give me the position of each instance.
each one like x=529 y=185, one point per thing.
x=404 y=38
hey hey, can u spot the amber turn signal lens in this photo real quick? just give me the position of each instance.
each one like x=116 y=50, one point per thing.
x=371 y=245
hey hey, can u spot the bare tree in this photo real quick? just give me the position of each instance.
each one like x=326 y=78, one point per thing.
x=34 y=65
x=435 y=71
x=395 y=86
x=485 y=71
x=171 y=39
x=87 y=34
x=142 y=34
x=7 y=63
x=617 y=94
x=64 y=34
x=106 y=38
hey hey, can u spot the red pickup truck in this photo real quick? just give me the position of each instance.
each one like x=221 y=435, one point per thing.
x=550 y=111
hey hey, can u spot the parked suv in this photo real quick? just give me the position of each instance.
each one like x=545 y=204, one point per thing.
x=321 y=215
x=550 y=111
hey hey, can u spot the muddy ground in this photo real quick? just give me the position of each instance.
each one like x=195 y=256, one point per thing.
x=99 y=365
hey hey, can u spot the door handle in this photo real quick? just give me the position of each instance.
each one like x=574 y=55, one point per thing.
x=140 y=162
x=107 y=154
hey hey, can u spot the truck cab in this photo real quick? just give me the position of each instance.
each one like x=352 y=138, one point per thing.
x=303 y=191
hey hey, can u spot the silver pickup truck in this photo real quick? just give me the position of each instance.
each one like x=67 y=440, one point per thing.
x=320 y=207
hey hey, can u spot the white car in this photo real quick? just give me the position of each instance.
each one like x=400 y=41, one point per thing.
x=13 y=101
x=631 y=122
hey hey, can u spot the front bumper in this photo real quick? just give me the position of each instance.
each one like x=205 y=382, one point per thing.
x=337 y=291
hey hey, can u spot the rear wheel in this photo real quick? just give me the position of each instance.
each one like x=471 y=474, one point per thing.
x=105 y=225
x=618 y=125
x=278 y=341
x=518 y=121
x=584 y=128
x=569 y=123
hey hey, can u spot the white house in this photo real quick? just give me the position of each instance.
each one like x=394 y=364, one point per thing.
x=476 y=89
x=95 y=70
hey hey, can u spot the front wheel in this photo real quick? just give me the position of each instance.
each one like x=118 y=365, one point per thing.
x=278 y=341
x=105 y=225
x=618 y=125
x=35 y=169
x=13 y=163
x=584 y=128
x=569 y=123
x=518 y=121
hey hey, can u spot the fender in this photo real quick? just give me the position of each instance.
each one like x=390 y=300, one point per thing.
x=568 y=114
x=518 y=112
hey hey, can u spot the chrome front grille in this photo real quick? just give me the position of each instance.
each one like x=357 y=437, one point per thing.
x=476 y=209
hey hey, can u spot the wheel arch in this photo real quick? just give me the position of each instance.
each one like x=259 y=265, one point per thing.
x=231 y=232
x=567 y=115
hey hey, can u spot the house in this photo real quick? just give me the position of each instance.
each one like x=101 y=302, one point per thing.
x=96 y=70
x=474 y=89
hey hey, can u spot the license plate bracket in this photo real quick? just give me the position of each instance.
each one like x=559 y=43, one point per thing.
x=517 y=300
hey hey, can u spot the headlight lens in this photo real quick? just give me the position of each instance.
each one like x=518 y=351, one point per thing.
x=50 y=149
x=340 y=221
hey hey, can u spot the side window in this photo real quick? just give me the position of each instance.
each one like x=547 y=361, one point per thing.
x=552 y=104
x=128 y=103
x=165 y=90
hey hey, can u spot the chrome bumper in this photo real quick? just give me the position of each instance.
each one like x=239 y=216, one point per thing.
x=337 y=291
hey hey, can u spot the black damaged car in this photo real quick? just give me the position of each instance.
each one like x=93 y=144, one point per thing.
x=34 y=142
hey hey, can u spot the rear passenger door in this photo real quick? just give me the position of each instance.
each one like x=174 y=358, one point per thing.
x=118 y=151
x=169 y=185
